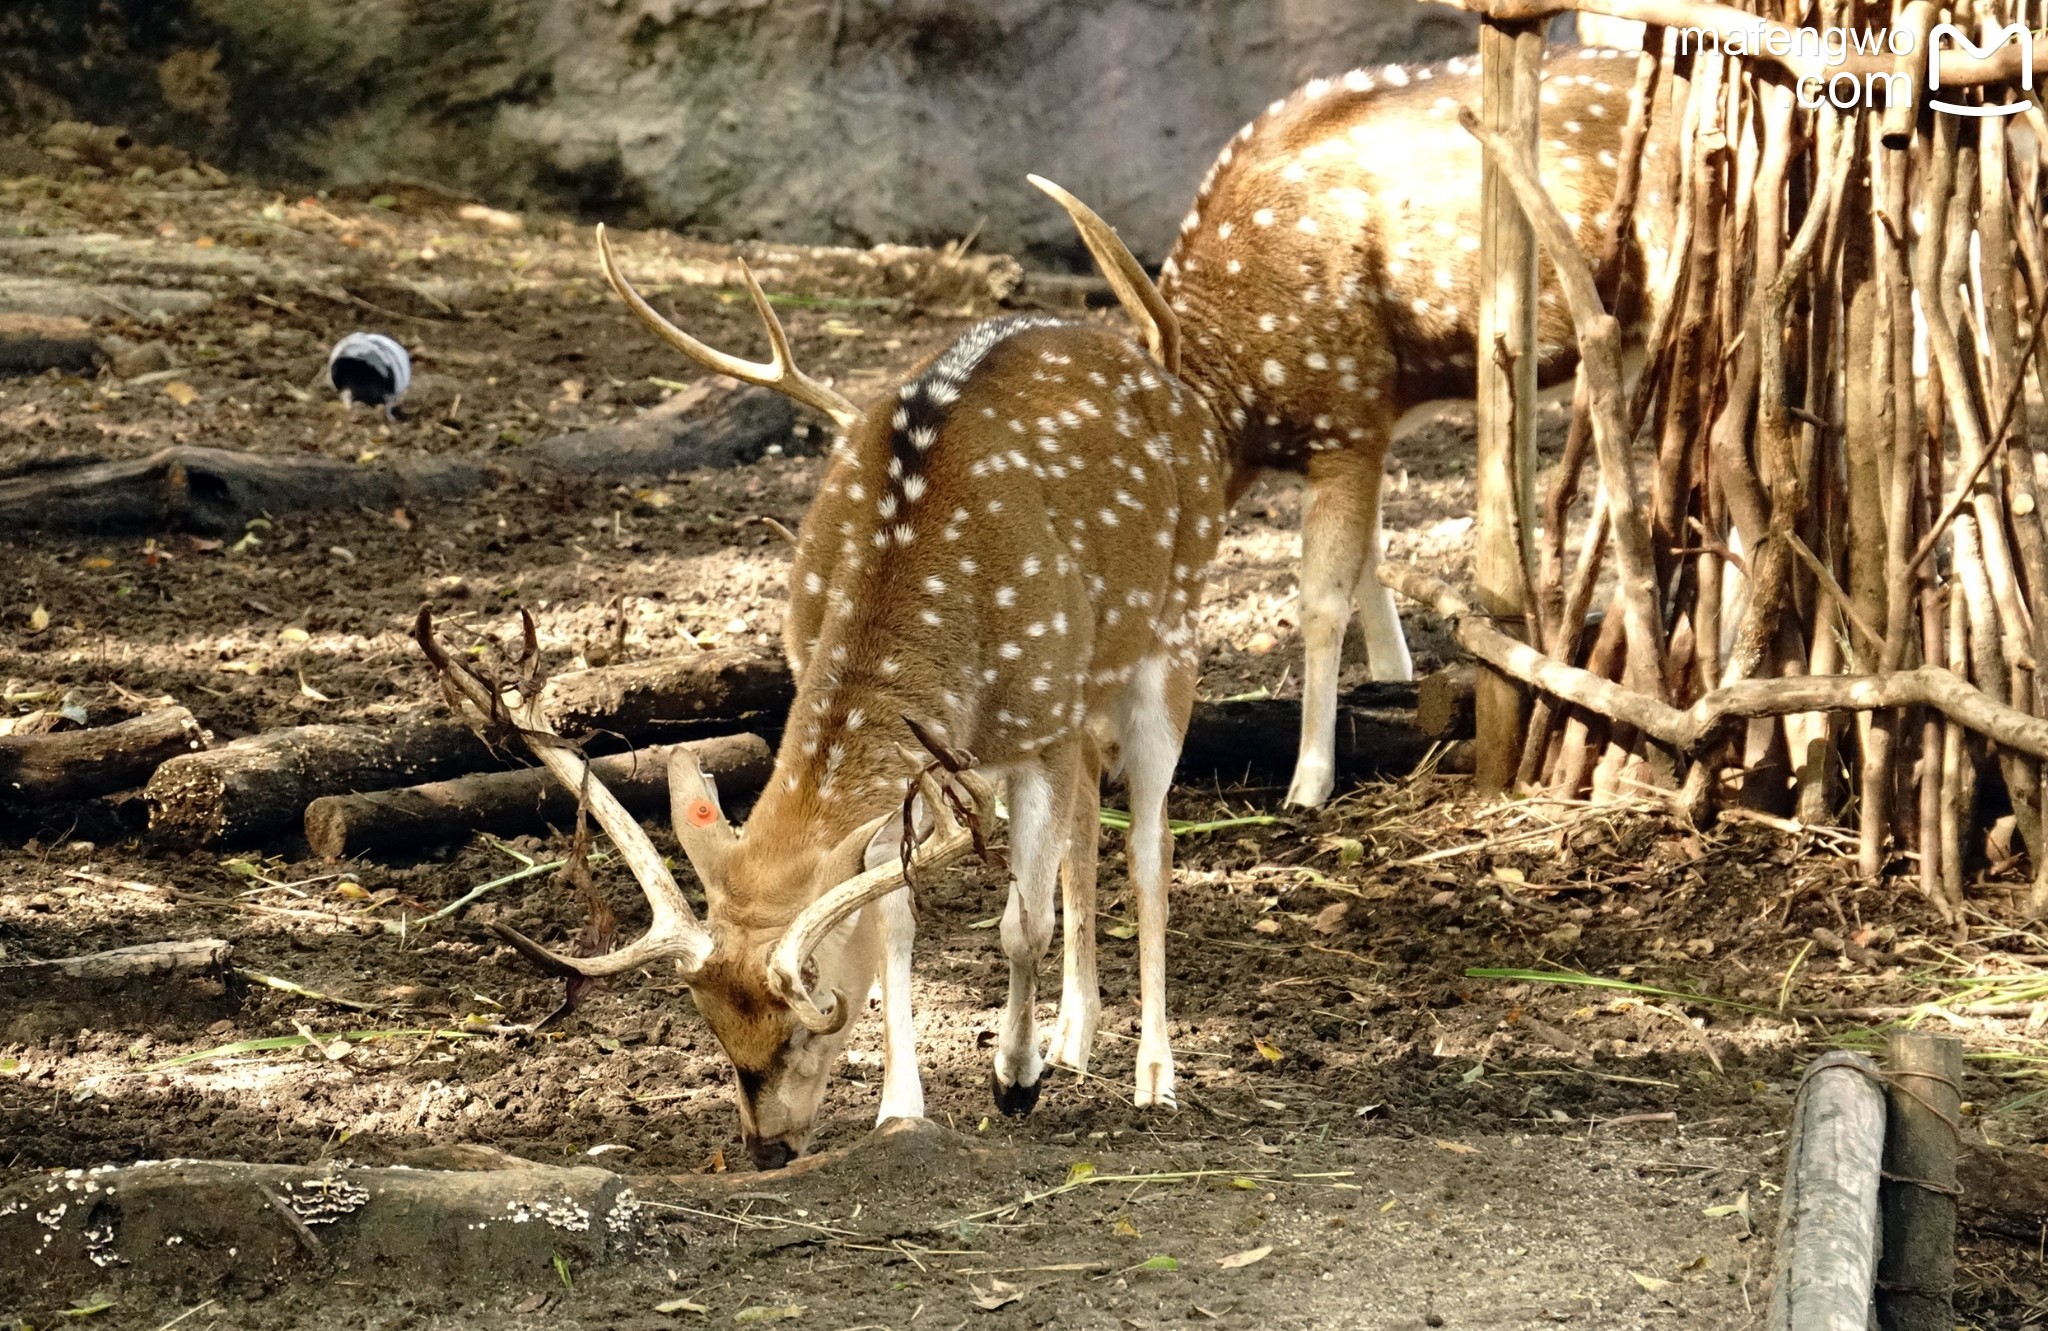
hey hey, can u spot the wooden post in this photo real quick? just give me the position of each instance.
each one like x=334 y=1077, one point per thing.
x=1511 y=58
x=1917 y=1273
x=1827 y=1221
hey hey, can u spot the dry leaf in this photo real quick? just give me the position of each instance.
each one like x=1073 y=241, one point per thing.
x=780 y=1312
x=1456 y=1148
x=308 y=691
x=999 y=1294
x=38 y=620
x=293 y=634
x=1508 y=875
x=1266 y=927
x=99 y=562
x=680 y=1306
x=1245 y=1258
x=532 y=1303
x=1261 y=642
x=180 y=392
x=1650 y=1283
x=1270 y=1052
x=1330 y=918
x=352 y=892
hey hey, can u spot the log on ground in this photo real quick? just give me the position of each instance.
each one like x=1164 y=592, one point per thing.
x=256 y=788
x=670 y=698
x=510 y=803
x=200 y=1224
x=33 y=343
x=152 y=986
x=81 y=764
x=717 y=423
x=1826 y=1262
x=218 y=490
x=1254 y=740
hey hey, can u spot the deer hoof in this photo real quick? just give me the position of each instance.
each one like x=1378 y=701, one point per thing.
x=1015 y=1101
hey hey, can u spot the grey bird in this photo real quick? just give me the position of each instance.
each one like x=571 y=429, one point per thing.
x=372 y=369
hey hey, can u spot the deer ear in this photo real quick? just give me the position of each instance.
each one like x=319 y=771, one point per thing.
x=1126 y=277
x=700 y=823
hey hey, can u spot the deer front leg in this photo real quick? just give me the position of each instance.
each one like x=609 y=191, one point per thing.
x=902 y=1085
x=1080 y=992
x=1038 y=825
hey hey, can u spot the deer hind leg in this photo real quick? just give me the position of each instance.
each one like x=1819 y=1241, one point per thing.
x=1080 y=993
x=902 y=1085
x=1041 y=797
x=1154 y=719
x=1340 y=536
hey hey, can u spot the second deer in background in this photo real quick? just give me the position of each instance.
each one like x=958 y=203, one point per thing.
x=1326 y=280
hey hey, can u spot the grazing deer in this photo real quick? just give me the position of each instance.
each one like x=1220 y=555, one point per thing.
x=1007 y=550
x=1326 y=277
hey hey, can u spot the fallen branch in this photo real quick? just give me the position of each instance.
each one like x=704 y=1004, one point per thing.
x=81 y=764
x=1691 y=729
x=151 y=985
x=716 y=423
x=508 y=803
x=219 y=490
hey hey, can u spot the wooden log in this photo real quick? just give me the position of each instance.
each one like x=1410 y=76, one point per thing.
x=255 y=788
x=185 y=982
x=1826 y=1262
x=715 y=423
x=218 y=490
x=663 y=699
x=81 y=764
x=203 y=1224
x=1444 y=702
x=1511 y=66
x=1245 y=742
x=509 y=803
x=32 y=343
x=1916 y=1274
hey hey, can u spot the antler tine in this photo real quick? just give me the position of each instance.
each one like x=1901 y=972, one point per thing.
x=674 y=932
x=1120 y=268
x=780 y=373
x=950 y=840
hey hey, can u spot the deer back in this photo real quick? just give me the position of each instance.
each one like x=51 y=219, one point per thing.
x=1327 y=273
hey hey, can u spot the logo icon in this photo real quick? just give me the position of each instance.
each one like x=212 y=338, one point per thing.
x=1994 y=38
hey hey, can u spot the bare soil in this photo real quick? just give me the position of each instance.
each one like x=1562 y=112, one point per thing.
x=1413 y=1145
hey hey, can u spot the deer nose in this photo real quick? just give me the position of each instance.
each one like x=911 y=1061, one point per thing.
x=771 y=1154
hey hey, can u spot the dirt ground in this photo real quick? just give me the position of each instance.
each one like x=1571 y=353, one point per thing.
x=1369 y=1135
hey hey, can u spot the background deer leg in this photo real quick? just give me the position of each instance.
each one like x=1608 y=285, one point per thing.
x=1339 y=540
x=1154 y=717
x=1041 y=797
x=902 y=1083
x=1080 y=993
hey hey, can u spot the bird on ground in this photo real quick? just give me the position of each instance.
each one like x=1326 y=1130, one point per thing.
x=372 y=369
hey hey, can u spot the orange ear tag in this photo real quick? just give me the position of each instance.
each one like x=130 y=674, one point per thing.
x=702 y=814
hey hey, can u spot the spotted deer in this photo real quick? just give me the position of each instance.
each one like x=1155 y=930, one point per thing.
x=1007 y=550
x=1326 y=278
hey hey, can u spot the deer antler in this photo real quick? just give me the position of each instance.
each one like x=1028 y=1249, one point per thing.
x=779 y=372
x=951 y=839
x=1134 y=290
x=674 y=933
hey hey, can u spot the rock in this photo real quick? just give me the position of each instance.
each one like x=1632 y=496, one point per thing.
x=129 y=358
x=812 y=123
